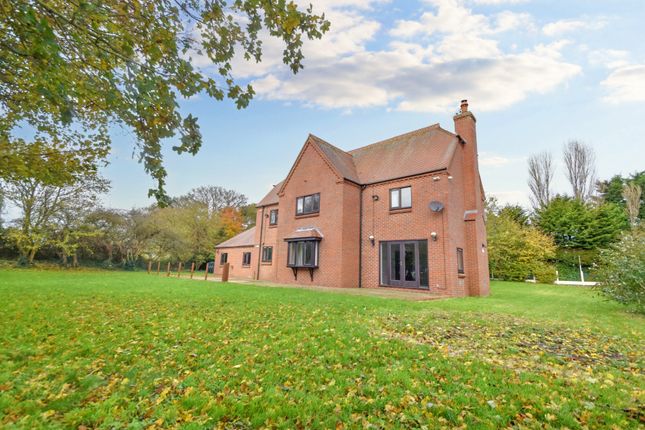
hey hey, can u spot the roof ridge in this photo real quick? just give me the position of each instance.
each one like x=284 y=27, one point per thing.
x=327 y=143
x=433 y=126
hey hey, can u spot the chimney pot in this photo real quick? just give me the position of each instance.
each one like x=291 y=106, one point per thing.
x=464 y=106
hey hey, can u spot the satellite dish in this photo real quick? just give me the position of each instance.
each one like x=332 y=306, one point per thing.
x=436 y=206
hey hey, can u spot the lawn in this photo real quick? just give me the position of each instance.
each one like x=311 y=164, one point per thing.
x=128 y=350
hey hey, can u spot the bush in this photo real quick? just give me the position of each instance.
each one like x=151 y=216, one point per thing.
x=516 y=251
x=621 y=270
x=545 y=273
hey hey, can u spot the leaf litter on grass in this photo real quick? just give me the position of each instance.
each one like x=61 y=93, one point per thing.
x=581 y=356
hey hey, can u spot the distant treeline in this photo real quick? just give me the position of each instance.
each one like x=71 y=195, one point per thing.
x=66 y=227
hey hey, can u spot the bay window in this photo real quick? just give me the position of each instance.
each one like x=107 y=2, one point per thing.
x=303 y=253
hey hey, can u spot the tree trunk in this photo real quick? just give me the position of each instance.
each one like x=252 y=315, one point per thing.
x=75 y=260
x=31 y=256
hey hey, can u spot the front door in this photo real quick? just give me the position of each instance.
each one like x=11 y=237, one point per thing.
x=403 y=264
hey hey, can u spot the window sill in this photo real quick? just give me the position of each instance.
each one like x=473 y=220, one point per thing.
x=307 y=215
x=302 y=267
x=266 y=263
x=273 y=225
x=461 y=275
x=246 y=265
x=400 y=211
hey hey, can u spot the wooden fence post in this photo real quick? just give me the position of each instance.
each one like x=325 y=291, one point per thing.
x=168 y=270
x=179 y=269
x=206 y=272
x=158 y=267
x=192 y=270
x=149 y=266
x=225 y=272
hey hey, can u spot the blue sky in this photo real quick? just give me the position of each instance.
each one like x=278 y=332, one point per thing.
x=536 y=72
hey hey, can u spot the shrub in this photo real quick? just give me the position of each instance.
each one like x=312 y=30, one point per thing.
x=516 y=251
x=621 y=270
x=545 y=273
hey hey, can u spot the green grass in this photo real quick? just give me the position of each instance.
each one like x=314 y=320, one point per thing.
x=129 y=350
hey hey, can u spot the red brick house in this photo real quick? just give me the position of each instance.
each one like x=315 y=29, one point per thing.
x=406 y=212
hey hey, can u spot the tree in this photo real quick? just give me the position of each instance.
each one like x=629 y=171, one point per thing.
x=58 y=161
x=611 y=191
x=516 y=251
x=231 y=222
x=70 y=232
x=575 y=224
x=213 y=197
x=540 y=178
x=249 y=215
x=79 y=66
x=621 y=270
x=515 y=213
x=41 y=204
x=1 y=210
x=632 y=195
x=111 y=230
x=579 y=161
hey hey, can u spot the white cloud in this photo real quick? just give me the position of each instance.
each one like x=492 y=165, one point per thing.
x=413 y=83
x=428 y=64
x=625 y=84
x=511 y=197
x=610 y=58
x=453 y=17
x=327 y=5
x=563 y=26
x=492 y=160
x=499 y=2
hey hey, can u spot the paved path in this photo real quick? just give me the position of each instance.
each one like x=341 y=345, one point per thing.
x=384 y=292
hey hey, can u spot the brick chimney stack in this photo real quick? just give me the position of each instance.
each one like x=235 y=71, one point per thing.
x=465 y=127
x=476 y=254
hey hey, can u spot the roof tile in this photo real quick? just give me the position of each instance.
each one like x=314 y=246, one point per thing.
x=246 y=238
x=420 y=151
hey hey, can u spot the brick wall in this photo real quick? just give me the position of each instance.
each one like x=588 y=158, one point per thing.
x=416 y=223
x=236 y=269
x=269 y=238
x=311 y=174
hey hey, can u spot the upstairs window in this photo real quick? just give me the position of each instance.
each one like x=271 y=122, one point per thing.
x=308 y=204
x=273 y=217
x=267 y=254
x=303 y=253
x=246 y=259
x=401 y=198
x=460 y=261
x=223 y=258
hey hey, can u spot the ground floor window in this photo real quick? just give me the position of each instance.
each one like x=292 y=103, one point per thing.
x=246 y=259
x=303 y=253
x=223 y=258
x=267 y=254
x=404 y=263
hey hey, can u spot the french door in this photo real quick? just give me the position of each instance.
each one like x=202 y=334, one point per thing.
x=404 y=264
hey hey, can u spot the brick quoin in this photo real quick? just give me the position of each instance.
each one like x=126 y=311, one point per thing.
x=355 y=215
